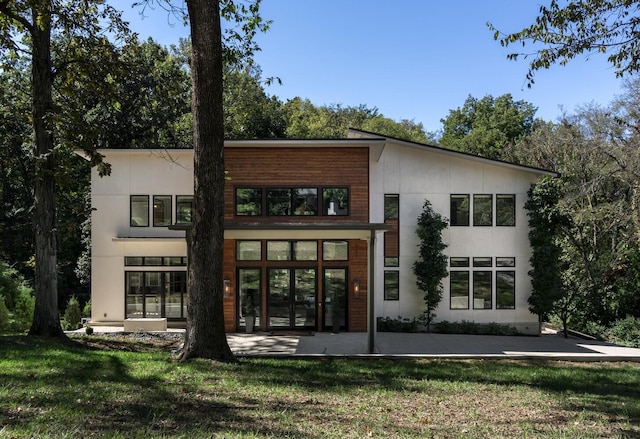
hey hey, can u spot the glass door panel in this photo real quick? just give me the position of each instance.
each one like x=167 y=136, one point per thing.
x=176 y=291
x=335 y=296
x=304 y=301
x=249 y=298
x=279 y=298
x=134 y=295
x=153 y=294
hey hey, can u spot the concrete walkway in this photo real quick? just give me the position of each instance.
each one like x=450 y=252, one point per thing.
x=401 y=345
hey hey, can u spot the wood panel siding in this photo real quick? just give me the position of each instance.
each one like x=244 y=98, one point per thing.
x=299 y=167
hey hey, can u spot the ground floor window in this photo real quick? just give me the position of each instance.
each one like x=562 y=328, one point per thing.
x=481 y=283
x=391 y=285
x=152 y=294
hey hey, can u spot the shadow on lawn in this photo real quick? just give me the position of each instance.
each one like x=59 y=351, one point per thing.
x=140 y=390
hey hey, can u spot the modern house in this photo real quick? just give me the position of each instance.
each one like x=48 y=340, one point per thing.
x=315 y=229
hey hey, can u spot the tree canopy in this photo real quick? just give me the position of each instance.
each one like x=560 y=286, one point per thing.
x=579 y=27
x=489 y=127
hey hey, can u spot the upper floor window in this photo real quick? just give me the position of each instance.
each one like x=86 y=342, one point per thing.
x=291 y=201
x=335 y=251
x=161 y=210
x=505 y=210
x=459 y=210
x=391 y=206
x=249 y=201
x=335 y=201
x=139 y=211
x=483 y=210
x=184 y=209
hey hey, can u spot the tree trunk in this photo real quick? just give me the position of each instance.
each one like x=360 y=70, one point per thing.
x=205 y=336
x=46 y=321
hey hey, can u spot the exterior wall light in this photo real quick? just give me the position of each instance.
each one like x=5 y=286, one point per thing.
x=356 y=288
x=227 y=288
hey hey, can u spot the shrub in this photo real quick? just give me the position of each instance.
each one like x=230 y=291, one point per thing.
x=4 y=315
x=399 y=324
x=88 y=330
x=86 y=311
x=72 y=314
x=625 y=332
x=472 y=328
x=23 y=312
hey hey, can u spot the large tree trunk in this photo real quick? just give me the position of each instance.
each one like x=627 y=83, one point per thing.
x=205 y=336
x=46 y=321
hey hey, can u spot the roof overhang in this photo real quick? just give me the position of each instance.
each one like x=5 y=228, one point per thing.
x=287 y=231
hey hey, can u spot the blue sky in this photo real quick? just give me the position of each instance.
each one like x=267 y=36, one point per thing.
x=411 y=59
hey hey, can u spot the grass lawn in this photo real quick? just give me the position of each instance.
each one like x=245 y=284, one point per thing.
x=107 y=387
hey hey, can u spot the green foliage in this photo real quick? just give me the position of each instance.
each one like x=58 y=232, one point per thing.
x=585 y=26
x=472 y=328
x=72 y=314
x=625 y=332
x=489 y=127
x=23 y=312
x=431 y=266
x=306 y=121
x=545 y=221
x=88 y=330
x=86 y=310
x=399 y=324
x=11 y=284
x=4 y=315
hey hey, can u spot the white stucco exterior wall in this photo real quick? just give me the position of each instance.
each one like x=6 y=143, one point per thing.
x=418 y=174
x=139 y=172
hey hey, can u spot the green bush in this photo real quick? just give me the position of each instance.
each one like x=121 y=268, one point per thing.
x=11 y=283
x=72 y=314
x=625 y=332
x=86 y=311
x=23 y=312
x=399 y=324
x=472 y=328
x=4 y=315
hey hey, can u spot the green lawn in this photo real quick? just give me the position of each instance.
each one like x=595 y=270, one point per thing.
x=121 y=388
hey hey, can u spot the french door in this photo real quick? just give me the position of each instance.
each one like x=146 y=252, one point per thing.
x=292 y=294
x=335 y=297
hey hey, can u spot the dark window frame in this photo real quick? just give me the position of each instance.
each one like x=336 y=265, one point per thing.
x=180 y=199
x=476 y=220
x=131 y=203
x=164 y=221
x=468 y=280
x=513 y=208
x=513 y=293
x=474 y=285
x=387 y=296
x=454 y=221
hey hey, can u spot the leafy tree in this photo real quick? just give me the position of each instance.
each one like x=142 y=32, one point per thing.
x=545 y=221
x=24 y=310
x=249 y=112
x=30 y=27
x=431 y=266
x=489 y=127
x=580 y=26
x=305 y=121
x=4 y=315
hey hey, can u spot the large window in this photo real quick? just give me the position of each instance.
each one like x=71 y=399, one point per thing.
x=161 y=210
x=292 y=250
x=292 y=201
x=335 y=201
x=391 y=285
x=249 y=250
x=459 y=288
x=482 y=288
x=505 y=289
x=150 y=294
x=505 y=210
x=483 y=210
x=139 y=212
x=184 y=209
x=459 y=210
x=335 y=251
x=249 y=201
